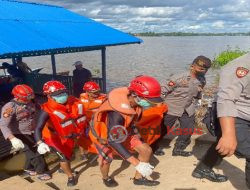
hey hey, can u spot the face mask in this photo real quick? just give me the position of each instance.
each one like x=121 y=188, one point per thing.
x=200 y=74
x=61 y=98
x=144 y=103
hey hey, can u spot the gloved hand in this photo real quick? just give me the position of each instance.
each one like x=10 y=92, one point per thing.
x=199 y=102
x=43 y=148
x=17 y=143
x=145 y=169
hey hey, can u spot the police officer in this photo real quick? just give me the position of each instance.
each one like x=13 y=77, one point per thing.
x=233 y=111
x=182 y=92
x=17 y=123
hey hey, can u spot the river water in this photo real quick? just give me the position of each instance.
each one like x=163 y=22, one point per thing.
x=156 y=56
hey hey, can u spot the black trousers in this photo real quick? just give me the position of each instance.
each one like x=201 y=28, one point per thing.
x=186 y=124
x=212 y=157
x=34 y=161
x=183 y=140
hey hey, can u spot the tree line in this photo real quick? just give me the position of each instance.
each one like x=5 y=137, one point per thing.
x=190 y=34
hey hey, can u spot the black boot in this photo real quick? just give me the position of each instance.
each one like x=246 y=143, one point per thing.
x=159 y=152
x=247 y=172
x=109 y=182
x=180 y=152
x=146 y=182
x=71 y=181
x=84 y=157
x=208 y=174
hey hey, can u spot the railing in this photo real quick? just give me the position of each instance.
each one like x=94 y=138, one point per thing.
x=36 y=81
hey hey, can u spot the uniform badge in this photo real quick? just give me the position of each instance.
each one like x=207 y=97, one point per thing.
x=241 y=72
x=171 y=83
x=184 y=82
x=7 y=112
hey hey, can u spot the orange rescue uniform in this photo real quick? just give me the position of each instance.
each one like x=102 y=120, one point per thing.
x=66 y=122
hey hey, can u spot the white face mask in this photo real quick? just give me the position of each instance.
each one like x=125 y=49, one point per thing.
x=143 y=103
x=61 y=98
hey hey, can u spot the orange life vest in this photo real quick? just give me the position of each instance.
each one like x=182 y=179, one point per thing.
x=91 y=106
x=117 y=101
x=150 y=123
x=66 y=120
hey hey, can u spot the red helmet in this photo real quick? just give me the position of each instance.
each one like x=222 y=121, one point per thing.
x=91 y=86
x=53 y=87
x=23 y=92
x=146 y=87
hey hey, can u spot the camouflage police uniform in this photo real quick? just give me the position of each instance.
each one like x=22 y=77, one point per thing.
x=19 y=120
x=233 y=100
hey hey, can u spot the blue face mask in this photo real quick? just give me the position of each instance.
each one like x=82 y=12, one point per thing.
x=144 y=103
x=61 y=98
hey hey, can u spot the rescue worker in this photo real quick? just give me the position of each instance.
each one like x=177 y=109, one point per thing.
x=182 y=92
x=58 y=126
x=18 y=118
x=114 y=128
x=233 y=112
x=92 y=99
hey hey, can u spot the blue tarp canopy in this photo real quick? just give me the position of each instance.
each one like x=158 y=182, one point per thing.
x=29 y=29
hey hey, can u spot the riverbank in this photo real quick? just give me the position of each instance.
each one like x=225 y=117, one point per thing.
x=174 y=173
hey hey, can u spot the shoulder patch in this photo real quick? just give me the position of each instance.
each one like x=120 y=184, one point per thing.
x=241 y=72
x=171 y=83
x=8 y=112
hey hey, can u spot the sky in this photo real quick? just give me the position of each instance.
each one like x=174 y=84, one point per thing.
x=136 y=16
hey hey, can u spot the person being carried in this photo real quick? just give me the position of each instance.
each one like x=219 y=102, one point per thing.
x=114 y=128
x=18 y=119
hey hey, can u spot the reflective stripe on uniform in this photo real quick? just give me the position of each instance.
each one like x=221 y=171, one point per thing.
x=59 y=114
x=80 y=109
x=66 y=123
x=81 y=119
x=84 y=100
x=98 y=101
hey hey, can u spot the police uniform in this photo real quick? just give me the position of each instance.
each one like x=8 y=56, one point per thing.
x=19 y=120
x=182 y=92
x=233 y=100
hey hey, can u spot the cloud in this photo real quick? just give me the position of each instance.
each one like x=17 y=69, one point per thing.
x=218 y=24
x=195 y=27
x=164 y=16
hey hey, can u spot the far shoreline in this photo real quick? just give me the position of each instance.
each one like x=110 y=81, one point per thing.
x=155 y=34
